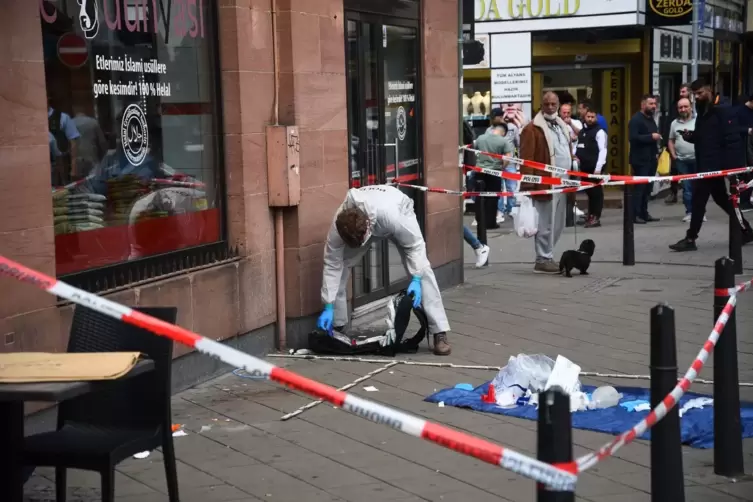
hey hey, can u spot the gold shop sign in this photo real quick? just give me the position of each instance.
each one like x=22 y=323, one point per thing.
x=497 y=10
x=671 y=8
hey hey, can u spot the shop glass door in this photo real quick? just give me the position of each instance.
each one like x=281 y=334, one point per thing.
x=384 y=130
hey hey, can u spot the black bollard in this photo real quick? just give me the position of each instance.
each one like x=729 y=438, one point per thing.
x=480 y=207
x=728 y=443
x=667 y=482
x=628 y=236
x=735 y=228
x=570 y=216
x=554 y=439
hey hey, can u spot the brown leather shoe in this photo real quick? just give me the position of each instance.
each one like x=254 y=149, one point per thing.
x=441 y=347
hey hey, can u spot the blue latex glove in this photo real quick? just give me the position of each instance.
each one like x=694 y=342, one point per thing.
x=325 y=319
x=415 y=290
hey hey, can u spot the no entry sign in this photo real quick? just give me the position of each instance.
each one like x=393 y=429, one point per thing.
x=72 y=50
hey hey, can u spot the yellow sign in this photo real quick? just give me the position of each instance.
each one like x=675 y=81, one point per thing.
x=519 y=9
x=612 y=104
x=671 y=8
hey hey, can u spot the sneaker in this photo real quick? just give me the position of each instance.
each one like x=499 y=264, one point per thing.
x=546 y=267
x=671 y=199
x=684 y=245
x=592 y=222
x=441 y=346
x=500 y=217
x=482 y=256
x=689 y=216
x=650 y=219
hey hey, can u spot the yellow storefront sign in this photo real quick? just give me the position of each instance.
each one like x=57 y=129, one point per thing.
x=517 y=9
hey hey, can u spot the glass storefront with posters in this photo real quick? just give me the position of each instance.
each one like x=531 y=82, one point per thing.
x=134 y=155
x=382 y=58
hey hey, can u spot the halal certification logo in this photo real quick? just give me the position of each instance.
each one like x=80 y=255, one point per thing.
x=402 y=123
x=134 y=135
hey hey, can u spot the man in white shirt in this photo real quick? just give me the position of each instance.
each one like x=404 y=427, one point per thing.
x=574 y=125
x=591 y=151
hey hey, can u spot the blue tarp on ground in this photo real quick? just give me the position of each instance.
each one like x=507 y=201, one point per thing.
x=697 y=425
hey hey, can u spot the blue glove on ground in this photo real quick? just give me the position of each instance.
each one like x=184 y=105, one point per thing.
x=325 y=319
x=415 y=290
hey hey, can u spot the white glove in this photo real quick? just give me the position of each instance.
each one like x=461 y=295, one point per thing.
x=390 y=336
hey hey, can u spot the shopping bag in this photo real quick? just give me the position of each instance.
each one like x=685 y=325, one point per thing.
x=527 y=220
x=664 y=165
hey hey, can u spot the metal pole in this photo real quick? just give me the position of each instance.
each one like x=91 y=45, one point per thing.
x=728 y=442
x=628 y=237
x=554 y=439
x=462 y=154
x=480 y=207
x=667 y=482
x=694 y=49
x=735 y=227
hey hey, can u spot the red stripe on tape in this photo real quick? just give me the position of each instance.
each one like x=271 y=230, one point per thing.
x=314 y=388
x=721 y=292
x=162 y=328
x=463 y=443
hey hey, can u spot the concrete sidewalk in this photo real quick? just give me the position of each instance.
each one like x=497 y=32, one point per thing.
x=239 y=450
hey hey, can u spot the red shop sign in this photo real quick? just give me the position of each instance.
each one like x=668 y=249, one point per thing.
x=72 y=50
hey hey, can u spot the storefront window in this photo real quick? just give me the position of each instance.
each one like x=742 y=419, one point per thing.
x=134 y=161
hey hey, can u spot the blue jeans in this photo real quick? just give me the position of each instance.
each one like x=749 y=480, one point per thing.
x=509 y=186
x=470 y=238
x=687 y=167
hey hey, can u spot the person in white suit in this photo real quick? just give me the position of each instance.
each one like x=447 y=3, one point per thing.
x=367 y=215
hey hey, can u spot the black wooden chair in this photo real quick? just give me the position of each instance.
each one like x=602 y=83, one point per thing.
x=97 y=431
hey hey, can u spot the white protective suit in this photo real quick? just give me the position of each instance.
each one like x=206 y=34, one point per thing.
x=392 y=217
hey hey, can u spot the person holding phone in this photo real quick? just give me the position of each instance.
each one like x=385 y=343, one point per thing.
x=719 y=143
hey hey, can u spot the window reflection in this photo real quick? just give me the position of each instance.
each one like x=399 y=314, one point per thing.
x=131 y=128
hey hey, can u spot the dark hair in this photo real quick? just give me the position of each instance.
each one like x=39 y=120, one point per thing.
x=686 y=85
x=646 y=97
x=352 y=225
x=587 y=104
x=699 y=84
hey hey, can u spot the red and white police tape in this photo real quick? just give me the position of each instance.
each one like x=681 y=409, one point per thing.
x=611 y=179
x=743 y=286
x=489 y=194
x=670 y=401
x=560 y=477
x=530 y=178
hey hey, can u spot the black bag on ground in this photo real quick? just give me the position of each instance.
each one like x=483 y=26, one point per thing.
x=388 y=343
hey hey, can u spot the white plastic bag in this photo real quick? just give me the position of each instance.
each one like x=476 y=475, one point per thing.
x=527 y=220
x=523 y=372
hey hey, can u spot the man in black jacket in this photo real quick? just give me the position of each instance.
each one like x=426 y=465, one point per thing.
x=719 y=141
x=644 y=152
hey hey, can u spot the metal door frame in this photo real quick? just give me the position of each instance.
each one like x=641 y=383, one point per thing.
x=377 y=22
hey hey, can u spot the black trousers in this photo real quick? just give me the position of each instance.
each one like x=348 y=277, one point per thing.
x=491 y=184
x=595 y=195
x=702 y=189
x=642 y=192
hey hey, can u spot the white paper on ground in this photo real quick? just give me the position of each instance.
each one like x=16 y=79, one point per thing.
x=142 y=454
x=371 y=388
x=564 y=374
x=698 y=402
x=180 y=433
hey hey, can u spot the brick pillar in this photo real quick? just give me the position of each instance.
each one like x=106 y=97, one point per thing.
x=441 y=126
x=28 y=318
x=313 y=97
x=246 y=56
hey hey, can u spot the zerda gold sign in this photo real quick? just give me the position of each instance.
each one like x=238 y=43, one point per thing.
x=671 y=8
